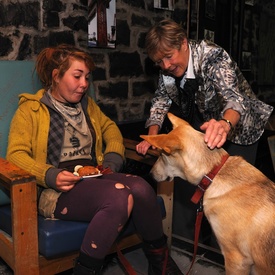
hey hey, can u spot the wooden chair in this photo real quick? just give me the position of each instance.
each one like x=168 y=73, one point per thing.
x=29 y=244
x=20 y=249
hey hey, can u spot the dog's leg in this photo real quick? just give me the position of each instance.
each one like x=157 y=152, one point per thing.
x=236 y=264
x=256 y=270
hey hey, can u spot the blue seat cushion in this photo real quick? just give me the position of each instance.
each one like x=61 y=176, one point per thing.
x=57 y=237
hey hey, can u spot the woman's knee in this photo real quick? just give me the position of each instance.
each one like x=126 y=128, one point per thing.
x=119 y=185
x=139 y=187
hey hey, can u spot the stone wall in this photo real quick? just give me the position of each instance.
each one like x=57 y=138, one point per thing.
x=125 y=80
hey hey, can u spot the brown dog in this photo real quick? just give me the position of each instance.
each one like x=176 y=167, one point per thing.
x=239 y=203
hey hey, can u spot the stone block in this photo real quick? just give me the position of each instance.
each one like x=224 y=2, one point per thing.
x=117 y=90
x=125 y=64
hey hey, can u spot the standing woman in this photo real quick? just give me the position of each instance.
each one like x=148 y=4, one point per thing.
x=207 y=89
x=60 y=127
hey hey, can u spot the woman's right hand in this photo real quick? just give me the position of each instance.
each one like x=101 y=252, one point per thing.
x=65 y=181
x=143 y=147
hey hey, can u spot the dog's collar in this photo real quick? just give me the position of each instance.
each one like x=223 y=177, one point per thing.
x=207 y=180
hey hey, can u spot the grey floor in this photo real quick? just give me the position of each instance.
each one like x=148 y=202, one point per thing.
x=202 y=266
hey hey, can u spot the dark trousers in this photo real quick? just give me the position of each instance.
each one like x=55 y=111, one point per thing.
x=248 y=152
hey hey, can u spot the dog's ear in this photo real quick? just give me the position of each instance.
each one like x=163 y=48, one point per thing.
x=176 y=121
x=162 y=142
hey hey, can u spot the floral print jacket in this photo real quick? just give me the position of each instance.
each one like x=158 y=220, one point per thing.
x=221 y=86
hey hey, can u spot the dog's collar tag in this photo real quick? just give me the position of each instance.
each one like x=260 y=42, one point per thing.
x=207 y=180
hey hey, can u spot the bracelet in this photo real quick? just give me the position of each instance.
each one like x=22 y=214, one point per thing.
x=228 y=122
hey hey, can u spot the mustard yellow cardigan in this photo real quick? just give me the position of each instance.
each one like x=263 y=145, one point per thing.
x=29 y=129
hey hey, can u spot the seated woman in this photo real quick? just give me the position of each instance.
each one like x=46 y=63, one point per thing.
x=61 y=127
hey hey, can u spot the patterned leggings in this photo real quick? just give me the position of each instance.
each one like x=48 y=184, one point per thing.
x=103 y=202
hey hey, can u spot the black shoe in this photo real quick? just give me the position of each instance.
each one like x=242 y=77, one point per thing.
x=83 y=270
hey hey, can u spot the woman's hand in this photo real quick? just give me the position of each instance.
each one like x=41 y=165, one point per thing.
x=143 y=147
x=65 y=181
x=215 y=133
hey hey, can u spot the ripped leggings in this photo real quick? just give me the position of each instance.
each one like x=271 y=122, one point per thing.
x=104 y=204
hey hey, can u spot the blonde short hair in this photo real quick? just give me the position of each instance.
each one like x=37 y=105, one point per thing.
x=164 y=36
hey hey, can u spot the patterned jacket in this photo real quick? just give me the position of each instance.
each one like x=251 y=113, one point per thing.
x=221 y=86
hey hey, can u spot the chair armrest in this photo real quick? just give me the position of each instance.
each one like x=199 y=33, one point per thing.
x=23 y=194
x=131 y=153
x=11 y=174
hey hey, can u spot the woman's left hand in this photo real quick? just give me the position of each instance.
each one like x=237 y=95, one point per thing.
x=215 y=133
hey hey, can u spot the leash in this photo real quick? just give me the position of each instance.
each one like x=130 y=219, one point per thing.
x=197 y=234
x=126 y=265
x=198 y=198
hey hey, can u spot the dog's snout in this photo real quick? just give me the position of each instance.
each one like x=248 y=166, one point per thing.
x=153 y=175
x=159 y=178
x=159 y=171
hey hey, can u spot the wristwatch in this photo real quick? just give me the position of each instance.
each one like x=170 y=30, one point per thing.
x=228 y=122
